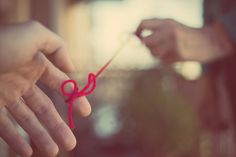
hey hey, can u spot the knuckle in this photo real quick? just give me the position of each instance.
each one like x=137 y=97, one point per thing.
x=37 y=67
x=60 y=43
x=58 y=126
x=42 y=64
x=40 y=134
x=53 y=84
x=56 y=85
x=40 y=59
x=171 y=32
x=42 y=110
x=25 y=118
x=15 y=105
x=30 y=93
x=61 y=40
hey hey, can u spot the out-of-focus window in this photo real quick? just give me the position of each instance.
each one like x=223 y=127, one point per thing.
x=113 y=21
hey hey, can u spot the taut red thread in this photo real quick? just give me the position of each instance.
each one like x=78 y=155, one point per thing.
x=88 y=89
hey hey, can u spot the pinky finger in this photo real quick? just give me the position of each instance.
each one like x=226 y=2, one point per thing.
x=10 y=135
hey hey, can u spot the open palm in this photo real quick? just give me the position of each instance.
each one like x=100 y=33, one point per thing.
x=31 y=53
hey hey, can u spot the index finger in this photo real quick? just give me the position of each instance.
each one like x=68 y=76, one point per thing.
x=149 y=24
x=53 y=78
x=54 y=48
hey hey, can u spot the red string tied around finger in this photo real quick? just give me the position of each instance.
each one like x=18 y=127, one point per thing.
x=88 y=89
x=90 y=86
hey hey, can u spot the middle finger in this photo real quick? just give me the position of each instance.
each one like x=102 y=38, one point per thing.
x=29 y=122
x=53 y=78
x=46 y=112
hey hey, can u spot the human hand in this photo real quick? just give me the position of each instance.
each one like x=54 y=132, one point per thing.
x=172 y=41
x=30 y=53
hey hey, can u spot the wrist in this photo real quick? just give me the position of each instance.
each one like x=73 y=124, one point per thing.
x=204 y=45
x=219 y=39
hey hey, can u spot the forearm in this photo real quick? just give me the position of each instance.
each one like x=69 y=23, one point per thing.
x=206 y=44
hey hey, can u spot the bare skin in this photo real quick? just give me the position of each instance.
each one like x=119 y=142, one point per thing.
x=172 y=41
x=30 y=53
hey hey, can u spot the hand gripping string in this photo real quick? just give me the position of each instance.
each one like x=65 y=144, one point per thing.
x=88 y=89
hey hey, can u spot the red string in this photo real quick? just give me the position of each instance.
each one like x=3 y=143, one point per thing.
x=88 y=89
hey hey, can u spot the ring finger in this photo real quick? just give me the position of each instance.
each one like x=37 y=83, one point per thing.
x=10 y=135
x=29 y=122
